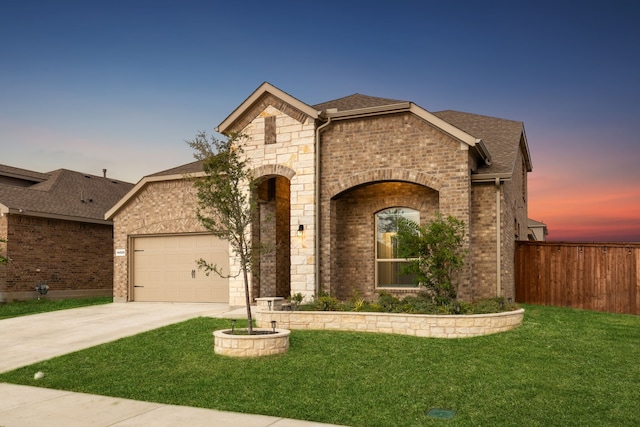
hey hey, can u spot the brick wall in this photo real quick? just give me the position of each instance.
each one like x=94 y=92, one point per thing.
x=353 y=254
x=164 y=207
x=3 y=252
x=483 y=240
x=273 y=233
x=74 y=259
x=513 y=227
x=398 y=147
x=514 y=223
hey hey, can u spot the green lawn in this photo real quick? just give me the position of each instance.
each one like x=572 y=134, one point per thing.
x=24 y=308
x=562 y=367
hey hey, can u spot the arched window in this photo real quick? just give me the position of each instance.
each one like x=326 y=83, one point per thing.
x=388 y=265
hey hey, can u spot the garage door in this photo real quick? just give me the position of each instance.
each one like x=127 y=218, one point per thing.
x=164 y=269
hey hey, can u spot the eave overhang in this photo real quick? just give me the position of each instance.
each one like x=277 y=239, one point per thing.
x=490 y=177
x=6 y=210
x=457 y=134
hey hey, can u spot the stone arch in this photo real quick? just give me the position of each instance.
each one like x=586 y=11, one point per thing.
x=388 y=174
x=274 y=169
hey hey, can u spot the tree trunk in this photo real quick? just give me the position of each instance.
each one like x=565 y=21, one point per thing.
x=247 y=300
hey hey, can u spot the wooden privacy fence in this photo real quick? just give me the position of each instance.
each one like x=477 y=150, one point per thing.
x=591 y=276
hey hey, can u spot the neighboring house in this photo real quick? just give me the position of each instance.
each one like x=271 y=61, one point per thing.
x=56 y=233
x=333 y=179
x=537 y=230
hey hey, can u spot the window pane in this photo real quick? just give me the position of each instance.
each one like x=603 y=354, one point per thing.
x=387 y=228
x=389 y=272
x=390 y=275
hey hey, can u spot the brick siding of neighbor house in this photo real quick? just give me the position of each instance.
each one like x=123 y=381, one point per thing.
x=291 y=156
x=159 y=208
x=73 y=258
x=3 y=249
x=393 y=148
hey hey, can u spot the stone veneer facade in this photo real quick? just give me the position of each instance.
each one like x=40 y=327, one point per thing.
x=420 y=325
x=291 y=156
x=227 y=344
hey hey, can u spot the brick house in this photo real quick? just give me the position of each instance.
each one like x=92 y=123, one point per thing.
x=56 y=233
x=333 y=179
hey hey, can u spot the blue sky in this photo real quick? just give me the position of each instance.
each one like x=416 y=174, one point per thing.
x=87 y=85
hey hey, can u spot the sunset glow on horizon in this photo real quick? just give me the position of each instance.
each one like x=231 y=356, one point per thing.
x=120 y=86
x=588 y=212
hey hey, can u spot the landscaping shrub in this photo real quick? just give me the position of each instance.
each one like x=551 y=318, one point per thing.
x=422 y=303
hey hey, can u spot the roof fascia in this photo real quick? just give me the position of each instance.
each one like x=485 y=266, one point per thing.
x=364 y=112
x=14 y=211
x=490 y=177
x=525 y=150
x=141 y=184
x=23 y=177
x=435 y=121
x=259 y=92
x=446 y=127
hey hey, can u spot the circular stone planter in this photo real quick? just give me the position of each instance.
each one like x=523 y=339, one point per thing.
x=264 y=343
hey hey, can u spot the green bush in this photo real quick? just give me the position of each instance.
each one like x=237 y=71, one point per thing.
x=422 y=303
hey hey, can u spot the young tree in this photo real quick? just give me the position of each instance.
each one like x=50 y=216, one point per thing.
x=226 y=207
x=435 y=254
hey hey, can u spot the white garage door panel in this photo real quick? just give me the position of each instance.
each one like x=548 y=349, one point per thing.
x=165 y=269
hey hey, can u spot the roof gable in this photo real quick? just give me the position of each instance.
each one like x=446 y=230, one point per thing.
x=193 y=169
x=502 y=138
x=358 y=105
x=258 y=101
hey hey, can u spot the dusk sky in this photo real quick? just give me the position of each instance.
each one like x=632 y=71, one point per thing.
x=87 y=85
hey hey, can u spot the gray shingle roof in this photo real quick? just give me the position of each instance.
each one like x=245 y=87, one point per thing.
x=356 y=101
x=9 y=174
x=501 y=137
x=189 y=168
x=66 y=193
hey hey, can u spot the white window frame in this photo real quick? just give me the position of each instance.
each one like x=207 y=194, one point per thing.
x=413 y=215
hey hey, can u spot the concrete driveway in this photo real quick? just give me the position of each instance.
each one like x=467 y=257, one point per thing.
x=29 y=339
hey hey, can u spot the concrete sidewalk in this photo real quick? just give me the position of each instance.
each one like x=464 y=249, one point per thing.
x=22 y=406
x=29 y=339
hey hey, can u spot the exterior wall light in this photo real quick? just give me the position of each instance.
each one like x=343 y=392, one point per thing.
x=300 y=231
x=42 y=289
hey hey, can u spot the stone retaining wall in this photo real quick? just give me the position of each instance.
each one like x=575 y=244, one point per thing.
x=421 y=325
